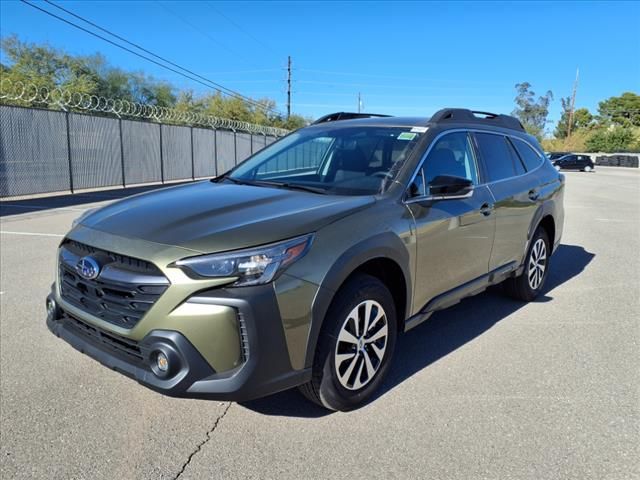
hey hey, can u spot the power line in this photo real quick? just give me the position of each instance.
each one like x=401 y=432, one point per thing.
x=390 y=77
x=573 y=103
x=288 y=87
x=228 y=91
x=202 y=32
x=211 y=84
x=235 y=24
x=394 y=95
x=370 y=85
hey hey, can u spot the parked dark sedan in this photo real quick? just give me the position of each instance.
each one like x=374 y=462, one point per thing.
x=574 y=162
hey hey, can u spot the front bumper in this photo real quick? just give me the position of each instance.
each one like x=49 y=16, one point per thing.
x=265 y=368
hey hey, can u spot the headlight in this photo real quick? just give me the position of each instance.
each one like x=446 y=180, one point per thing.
x=84 y=215
x=252 y=266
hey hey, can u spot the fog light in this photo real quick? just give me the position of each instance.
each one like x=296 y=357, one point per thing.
x=51 y=309
x=162 y=362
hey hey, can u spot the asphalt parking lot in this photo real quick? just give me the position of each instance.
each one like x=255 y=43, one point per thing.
x=490 y=389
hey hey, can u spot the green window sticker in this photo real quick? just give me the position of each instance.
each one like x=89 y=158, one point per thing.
x=407 y=136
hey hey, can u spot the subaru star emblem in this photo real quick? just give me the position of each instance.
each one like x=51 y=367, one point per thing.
x=88 y=268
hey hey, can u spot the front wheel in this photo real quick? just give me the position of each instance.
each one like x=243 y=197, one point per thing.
x=355 y=346
x=529 y=284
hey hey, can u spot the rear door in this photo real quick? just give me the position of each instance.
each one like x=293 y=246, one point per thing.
x=453 y=235
x=571 y=162
x=515 y=193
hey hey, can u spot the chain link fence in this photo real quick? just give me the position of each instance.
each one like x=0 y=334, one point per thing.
x=44 y=150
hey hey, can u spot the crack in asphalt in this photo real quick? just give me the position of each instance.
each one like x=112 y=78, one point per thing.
x=202 y=444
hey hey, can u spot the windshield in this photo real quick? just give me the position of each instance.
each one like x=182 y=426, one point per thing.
x=360 y=160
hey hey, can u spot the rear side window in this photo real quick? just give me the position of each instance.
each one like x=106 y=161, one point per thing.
x=517 y=162
x=497 y=155
x=529 y=156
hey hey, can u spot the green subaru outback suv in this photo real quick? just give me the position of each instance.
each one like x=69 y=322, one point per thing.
x=302 y=265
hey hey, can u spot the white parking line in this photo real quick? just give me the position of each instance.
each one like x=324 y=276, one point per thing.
x=34 y=234
x=43 y=207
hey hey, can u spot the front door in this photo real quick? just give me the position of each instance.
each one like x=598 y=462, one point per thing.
x=454 y=236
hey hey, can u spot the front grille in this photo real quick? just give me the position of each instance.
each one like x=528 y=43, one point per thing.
x=125 y=347
x=124 y=291
x=133 y=264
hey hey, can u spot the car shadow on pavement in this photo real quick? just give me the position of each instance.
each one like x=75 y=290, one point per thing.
x=31 y=205
x=443 y=333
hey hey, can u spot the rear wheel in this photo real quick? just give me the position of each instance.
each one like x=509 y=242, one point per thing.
x=587 y=168
x=355 y=345
x=529 y=284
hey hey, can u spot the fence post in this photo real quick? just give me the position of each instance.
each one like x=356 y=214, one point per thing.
x=66 y=116
x=161 y=158
x=124 y=183
x=235 y=149
x=215 y=152
x=193 y=165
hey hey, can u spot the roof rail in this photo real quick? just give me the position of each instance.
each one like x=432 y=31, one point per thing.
x=332 y=117
x=474 y=116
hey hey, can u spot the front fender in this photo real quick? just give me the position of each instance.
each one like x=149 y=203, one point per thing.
x=383 y=245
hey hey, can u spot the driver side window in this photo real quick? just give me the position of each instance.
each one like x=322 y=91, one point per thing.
x=452 y=155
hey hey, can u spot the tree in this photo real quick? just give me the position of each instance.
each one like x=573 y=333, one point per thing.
x=531 y=112
x=582 y=118
x=44 y=66
x=623 y=110
x=616 y=139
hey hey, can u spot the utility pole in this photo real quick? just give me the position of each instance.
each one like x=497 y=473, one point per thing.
x=289 y=87
x=573 y=104
x=359 y=102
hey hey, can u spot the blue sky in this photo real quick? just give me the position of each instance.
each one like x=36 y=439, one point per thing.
x=404 y=58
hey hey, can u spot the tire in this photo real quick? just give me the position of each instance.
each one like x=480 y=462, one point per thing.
x=588 y=168
x=529 y=284
x=346 y=374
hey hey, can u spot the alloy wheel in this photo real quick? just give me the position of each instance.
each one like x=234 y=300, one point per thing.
x=537 y=264
x=361 y=345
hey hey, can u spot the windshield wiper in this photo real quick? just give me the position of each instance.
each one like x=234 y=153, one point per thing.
x=268 y=183
x=237 y=181
x=291 y=186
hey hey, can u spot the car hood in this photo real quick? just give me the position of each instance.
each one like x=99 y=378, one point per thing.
x=209 y=217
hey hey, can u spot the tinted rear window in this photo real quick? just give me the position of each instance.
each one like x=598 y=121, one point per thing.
x=497 y=156
x=529 y=156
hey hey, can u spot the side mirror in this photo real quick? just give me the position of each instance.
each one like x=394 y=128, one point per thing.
x=450 y=186
x=414 y=190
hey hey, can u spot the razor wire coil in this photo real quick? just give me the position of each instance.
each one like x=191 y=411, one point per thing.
x=65 y=99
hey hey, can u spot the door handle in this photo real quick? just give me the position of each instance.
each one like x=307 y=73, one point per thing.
x=534 y=194
x=486 y=209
